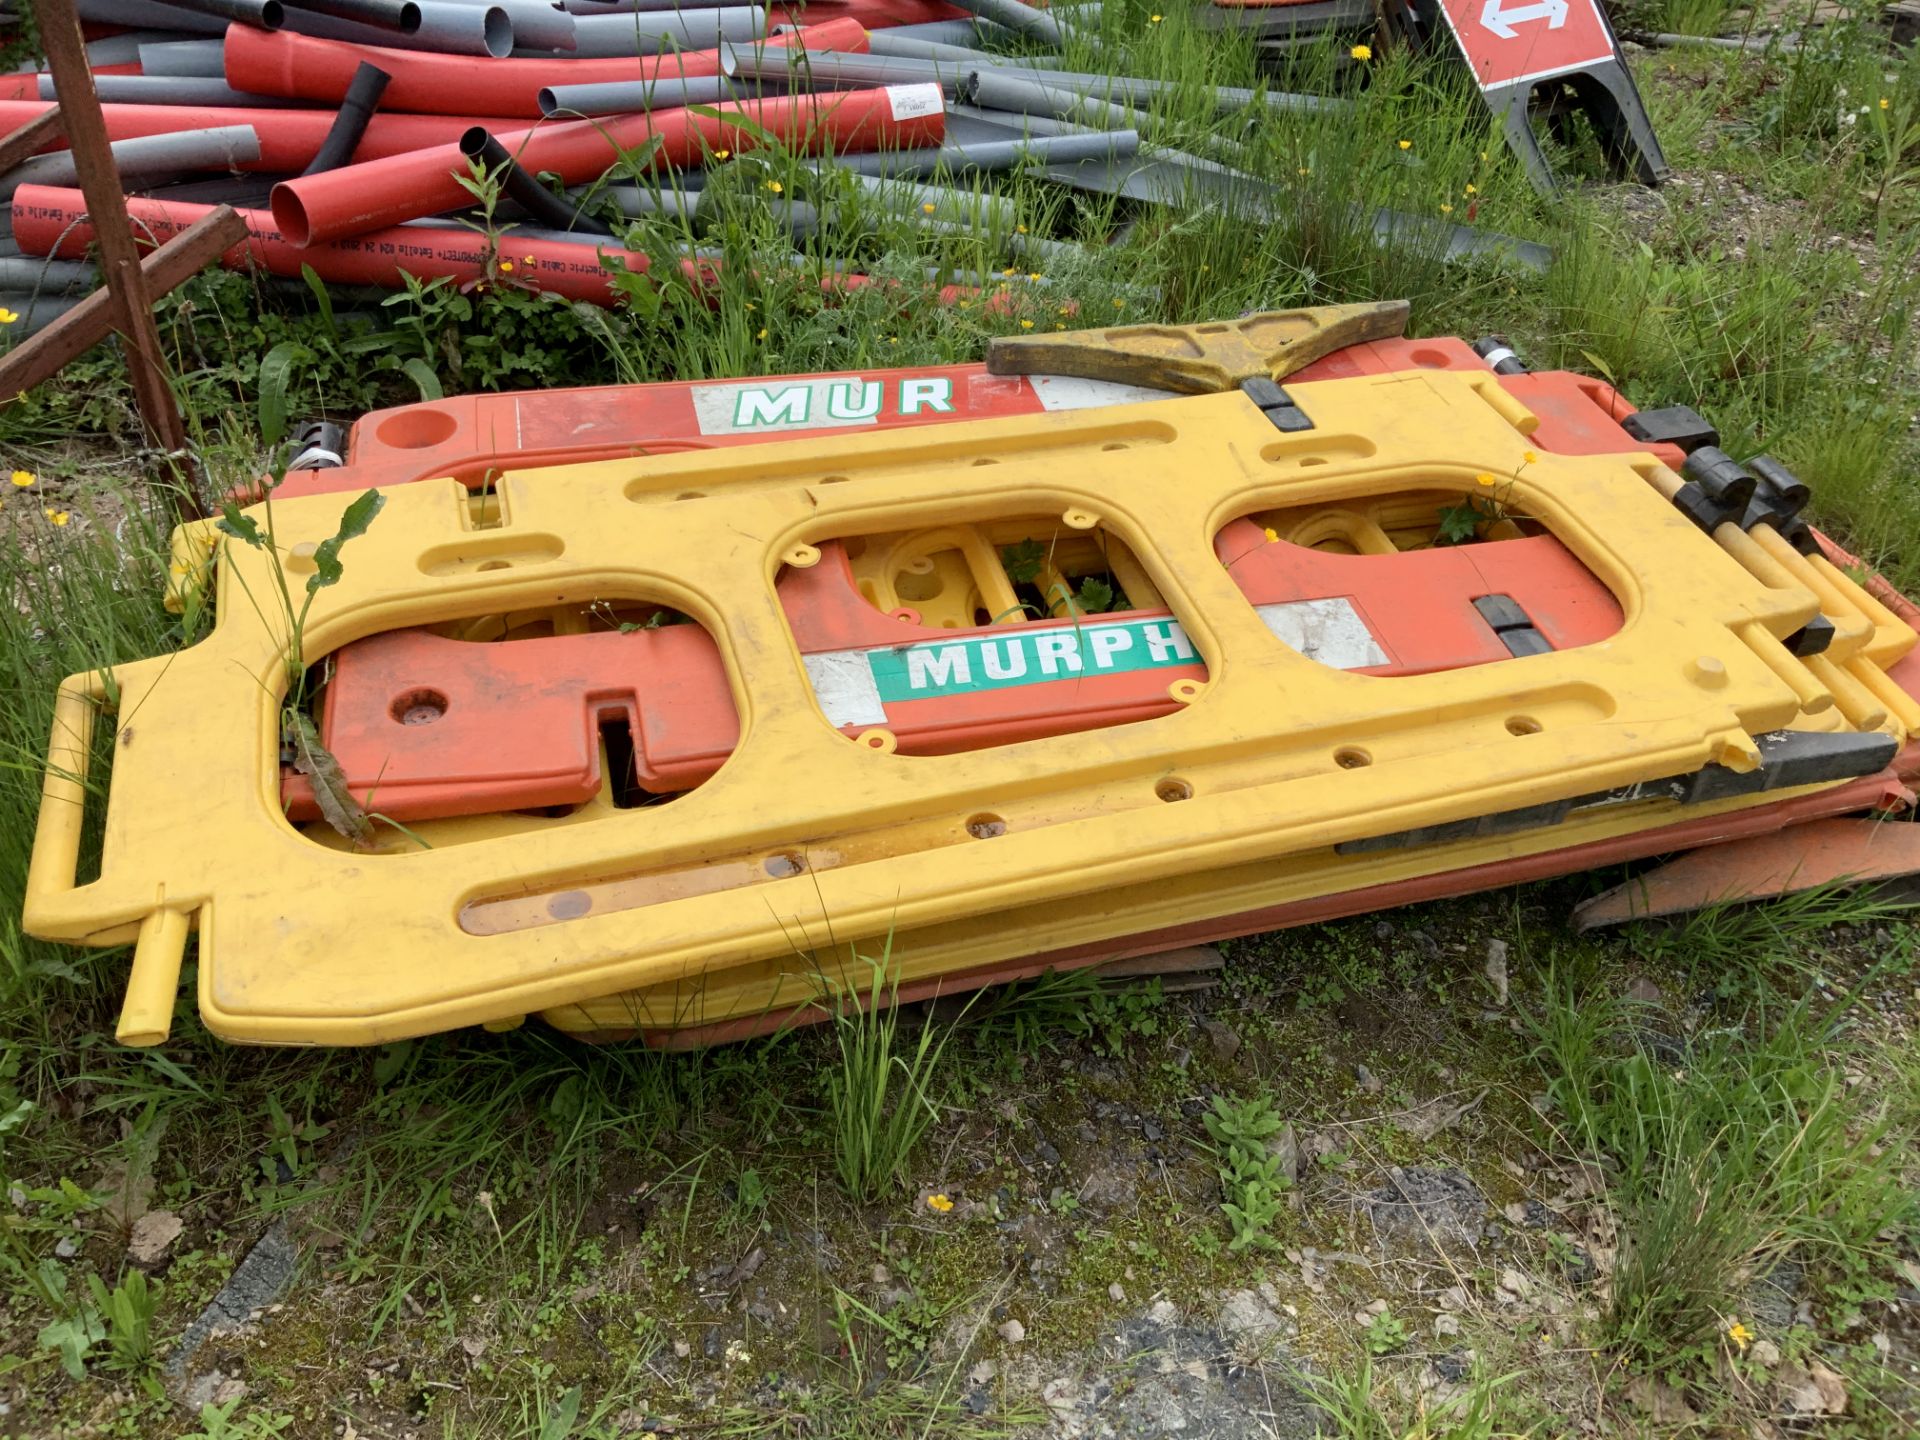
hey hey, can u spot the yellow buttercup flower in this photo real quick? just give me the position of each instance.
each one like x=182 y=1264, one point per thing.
x=506 y=265
x=1026 y=324
x=775 y=186
x=57 y=517
x=1361 y=52
x=1273 y=536
x=7 y=317
x=1529 y=457
x=1445 y=209
x=1885 y=103
x=1740 y=1335
x=22 y=479
x=1406 y=144
x=1153 y=19
x=1473 y=189
x=927 y=209
x=939 y=1202
x=721 y=154
x=1119 y=304
x=763 y=333
x=1483 y=478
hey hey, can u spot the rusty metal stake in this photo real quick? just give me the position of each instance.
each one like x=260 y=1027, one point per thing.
x=28 y=140
x=129 y=307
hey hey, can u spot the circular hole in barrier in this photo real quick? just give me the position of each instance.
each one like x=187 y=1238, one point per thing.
x=783 y=865
x=1429 y=359
x=494 y=565
x=416 y=429
x=1172 y=789
x=418 y=707
x=1081 y=519
x=1352 y=757
x=802 y=557
x=1522 y=725
x=1185 y=690
x=906 y=615
x=985 y=827
x=881 y=741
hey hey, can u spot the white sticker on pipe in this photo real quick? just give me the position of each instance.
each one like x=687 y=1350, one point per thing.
x=914 y=102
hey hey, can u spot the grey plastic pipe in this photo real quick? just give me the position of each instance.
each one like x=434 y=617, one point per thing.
x=995 y=155
x=536 y=24
x=149 y=15
x=638 y=202
x=1134 y=90
x=446 y=27
x=800 y=67
x=201 y=59
x=908 y=47
x=623 y=97
x=1014 y=16
x=175 y=90
x=401 y=16
x=969 y=33
x=36 y=312
x=584 y=8
x=973 y=117
x=965 y=208
x=145 y=157
x=28 y=274
x=122 y=49
x=600 y=37
x=996 y=90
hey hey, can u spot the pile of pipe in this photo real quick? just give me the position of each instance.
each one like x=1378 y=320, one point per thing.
x=350 y=133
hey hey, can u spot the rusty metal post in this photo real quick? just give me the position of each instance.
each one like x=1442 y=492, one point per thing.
x=86 y=130
x=43 y=129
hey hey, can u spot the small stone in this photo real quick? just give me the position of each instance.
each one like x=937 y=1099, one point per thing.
x=1644 y=991
x=1163 y=1312
x=66 y=1247
x=152 y=1233
x=983 y=1372
x=1454 y=1297
x=1512 y=1280
x=1764 y=1353
x=1117 y=1292
x=473 y=1346
x=1013 y=1332
x=1497 y=970
x=882 y=1275
x=1446 y=1324
x=1061 y=1395
x=1045 y=1153
x=682 y=1349
x=1368 y=1081
x=1224 y=1039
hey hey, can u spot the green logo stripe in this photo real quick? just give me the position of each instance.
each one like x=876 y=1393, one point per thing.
x=1027 y=655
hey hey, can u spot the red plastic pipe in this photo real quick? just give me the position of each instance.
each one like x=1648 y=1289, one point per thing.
x=359 y=198
x=50 y=220
x=281 y=63
x=289 y=139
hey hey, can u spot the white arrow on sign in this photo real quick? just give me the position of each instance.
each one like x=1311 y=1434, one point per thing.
x=1501 y=22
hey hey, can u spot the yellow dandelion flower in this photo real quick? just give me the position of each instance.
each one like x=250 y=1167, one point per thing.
x=1529 y=457
x=1406 y=144
x=941 y=1203
x=1026 y=324
x=22 y=479
x=56 y=517
x=1153 y=19
x=927 y=209
x=7 y=317
x=1740 y=1335
x=1361 y=52
x=1483 y=478
x=1273 y=536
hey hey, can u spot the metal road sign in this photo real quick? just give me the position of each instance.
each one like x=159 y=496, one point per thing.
x=1508 y=42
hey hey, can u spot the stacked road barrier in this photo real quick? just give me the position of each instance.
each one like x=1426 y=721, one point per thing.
x=349 y=132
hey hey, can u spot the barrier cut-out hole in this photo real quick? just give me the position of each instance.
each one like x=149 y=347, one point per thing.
x=784 y=865
x=1352 y=757
x=1173 y=789
x=1522 y=725
x=985 y=827
x=494 y=565
x=417 y=428
x=419 y=707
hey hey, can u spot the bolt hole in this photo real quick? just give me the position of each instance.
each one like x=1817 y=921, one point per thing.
x=985 y=827
x=1352 y=757
x=1173 y=789
x=494 y=565
x=1522 y=725
x=781 y=866
x=418 y=707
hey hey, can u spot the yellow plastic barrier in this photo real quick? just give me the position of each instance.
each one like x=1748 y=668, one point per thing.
x=805 y=837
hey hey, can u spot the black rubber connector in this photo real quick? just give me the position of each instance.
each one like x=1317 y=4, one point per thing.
x=1717 y=491
x=1499 y=355
x=1276 y=404
x=356 y=109
x=1679 y=425
x=543 y=207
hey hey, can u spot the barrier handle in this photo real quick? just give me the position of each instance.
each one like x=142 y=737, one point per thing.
x=146 y=1015
x=53 y=868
